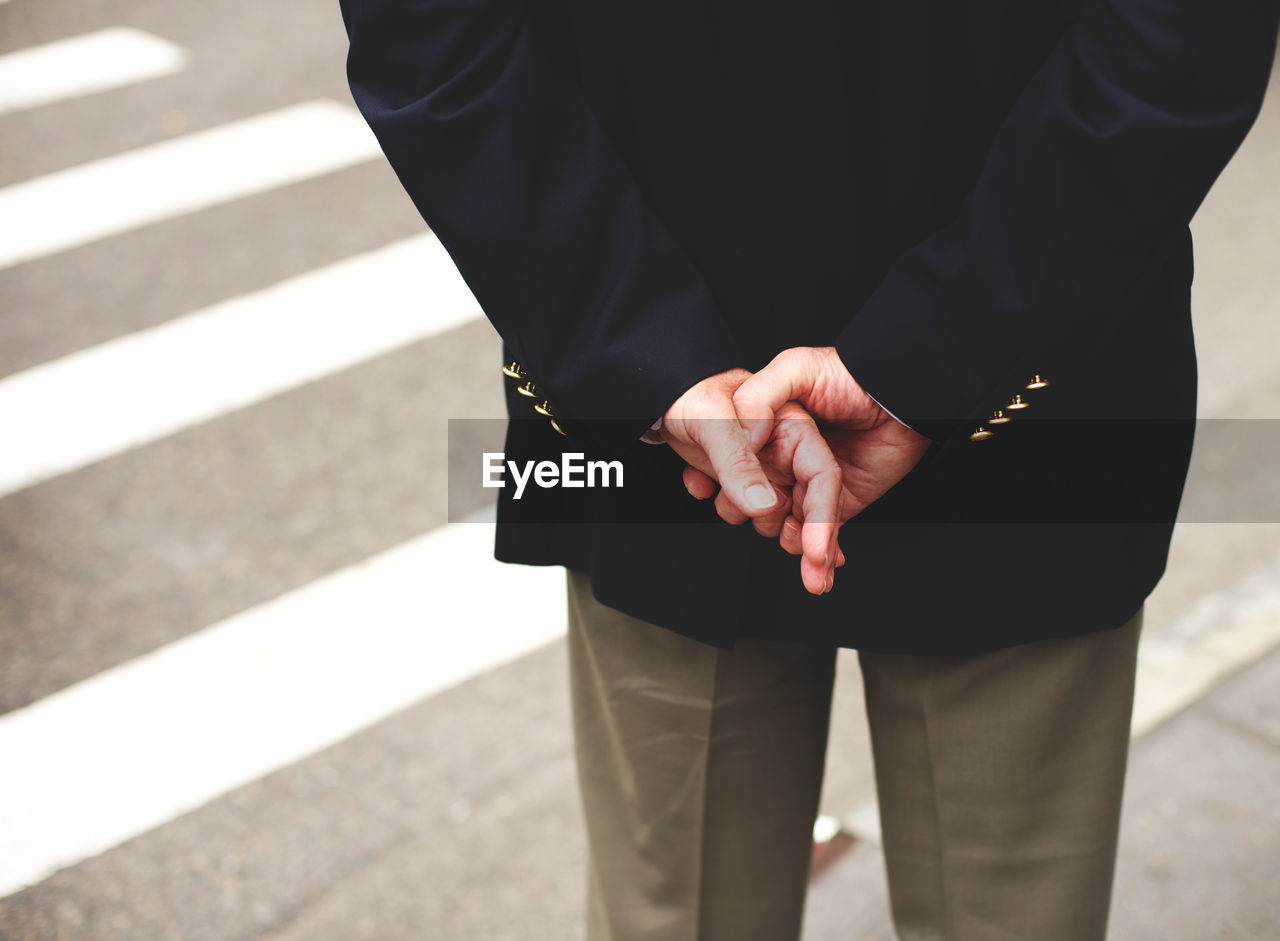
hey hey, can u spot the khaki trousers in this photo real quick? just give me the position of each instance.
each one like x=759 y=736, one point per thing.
x=999 y=779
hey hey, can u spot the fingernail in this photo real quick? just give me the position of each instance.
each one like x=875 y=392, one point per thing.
x=761 y=497
x=831 y=581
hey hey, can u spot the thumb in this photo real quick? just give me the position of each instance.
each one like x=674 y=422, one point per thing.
x=756 y=416
x=789 y=376
x=733 y=462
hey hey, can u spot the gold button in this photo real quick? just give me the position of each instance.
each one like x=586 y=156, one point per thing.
x=982 y=434
x=1017 y=403
x=557 y=427
x=528 y=389
x=514 y=370
x=1038 y=382
x=544 y=408
x=999 y=418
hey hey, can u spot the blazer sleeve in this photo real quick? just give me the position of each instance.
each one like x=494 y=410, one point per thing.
x=505 y=161
x=1090 y=182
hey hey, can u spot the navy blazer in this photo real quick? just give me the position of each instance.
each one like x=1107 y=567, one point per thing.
x=967 y=198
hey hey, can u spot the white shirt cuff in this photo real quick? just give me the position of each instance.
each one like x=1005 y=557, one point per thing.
x=652 y=436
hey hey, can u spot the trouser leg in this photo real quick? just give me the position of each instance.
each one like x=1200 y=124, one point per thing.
x=1000 y=779
x=700 y=772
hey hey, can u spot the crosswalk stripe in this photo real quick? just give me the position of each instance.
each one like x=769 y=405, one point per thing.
x=135 y=746
x=106 y=197
x=132 y=390
x=81 y=65
x=1213 y=638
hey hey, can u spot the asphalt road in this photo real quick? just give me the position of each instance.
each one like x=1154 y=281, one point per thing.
x=450 y=812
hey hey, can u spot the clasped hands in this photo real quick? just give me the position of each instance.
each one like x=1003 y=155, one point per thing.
x=797 y=448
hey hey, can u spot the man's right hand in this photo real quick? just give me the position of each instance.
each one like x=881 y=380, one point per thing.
x=721 y=442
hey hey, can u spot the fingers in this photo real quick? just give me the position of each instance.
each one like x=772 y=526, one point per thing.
x=815 y=377
x=771 y=526
x=728 y=512
x=699 y=485
x=756 y=417
x=798 y=444
x=704 y=417
x=795 y=493
x=789 y=538
x=743 y=483
x=789 y=376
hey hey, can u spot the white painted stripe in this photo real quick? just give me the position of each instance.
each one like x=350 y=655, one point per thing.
x=1219 y=635
x=100 y=401
x=81 y=65
x=125 y=751
x=109 y=196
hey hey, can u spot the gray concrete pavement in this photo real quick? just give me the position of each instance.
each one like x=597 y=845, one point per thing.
x=457 y=818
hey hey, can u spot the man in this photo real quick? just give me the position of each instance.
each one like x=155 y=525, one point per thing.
x=924 y=265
